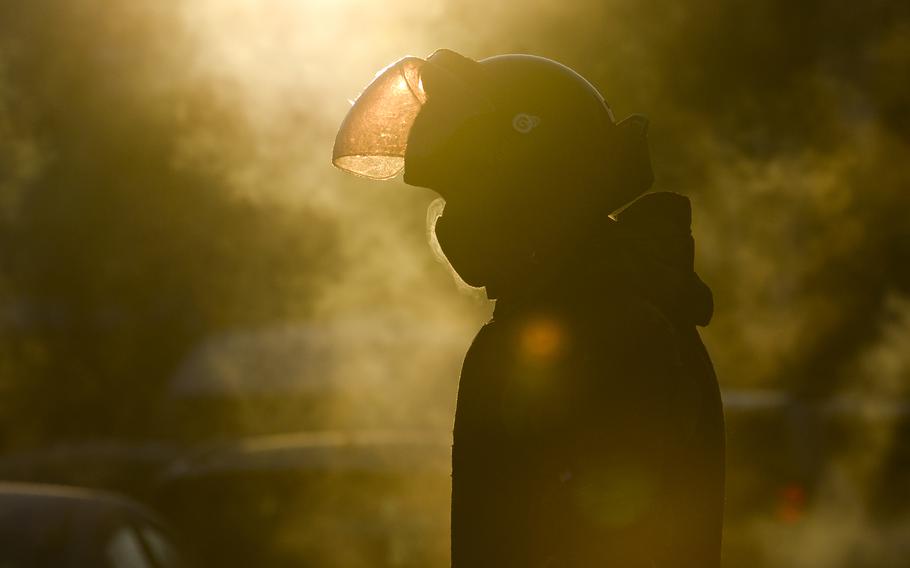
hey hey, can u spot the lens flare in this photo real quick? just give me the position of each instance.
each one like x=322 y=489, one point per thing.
x=542 y=339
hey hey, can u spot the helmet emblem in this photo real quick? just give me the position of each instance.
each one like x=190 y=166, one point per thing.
x=525 y=123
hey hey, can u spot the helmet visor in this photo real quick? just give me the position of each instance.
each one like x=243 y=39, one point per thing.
x=373 y=137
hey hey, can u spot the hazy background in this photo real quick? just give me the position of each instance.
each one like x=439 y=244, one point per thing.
x=180 y=262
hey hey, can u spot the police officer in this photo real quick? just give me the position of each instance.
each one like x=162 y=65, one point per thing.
x=589 y=429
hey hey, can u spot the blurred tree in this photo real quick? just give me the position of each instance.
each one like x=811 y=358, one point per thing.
x=117 y=258
x=786 y=123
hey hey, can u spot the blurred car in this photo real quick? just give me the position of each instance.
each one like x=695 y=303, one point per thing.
x=381 y=499
x=805 y=471
x=323 y=499
x=119 y=466
x=59 y=526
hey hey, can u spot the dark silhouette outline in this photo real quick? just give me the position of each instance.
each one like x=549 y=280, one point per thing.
x=589 y=428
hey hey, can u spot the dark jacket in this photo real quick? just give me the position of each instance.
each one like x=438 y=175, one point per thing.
x=589 y=429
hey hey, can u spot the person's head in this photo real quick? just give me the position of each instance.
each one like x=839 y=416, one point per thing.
x=524 y=150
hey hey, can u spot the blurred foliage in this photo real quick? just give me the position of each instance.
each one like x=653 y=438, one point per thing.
x=116 y=257
x=787 y=124
x=139 y=141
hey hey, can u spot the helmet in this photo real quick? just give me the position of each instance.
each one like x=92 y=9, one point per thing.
x=449 y=121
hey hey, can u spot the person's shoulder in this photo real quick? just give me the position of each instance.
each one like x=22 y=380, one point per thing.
x=633 y=326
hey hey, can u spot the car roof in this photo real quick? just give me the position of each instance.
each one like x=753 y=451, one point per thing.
x=48 y=499
x=365 y=451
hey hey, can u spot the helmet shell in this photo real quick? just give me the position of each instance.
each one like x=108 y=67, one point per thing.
x=546 y=125
x=563 y=102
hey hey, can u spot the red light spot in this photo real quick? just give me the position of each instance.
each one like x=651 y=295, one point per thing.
x=791 y=505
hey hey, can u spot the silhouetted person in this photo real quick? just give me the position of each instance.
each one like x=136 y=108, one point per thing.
x=589 y=429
